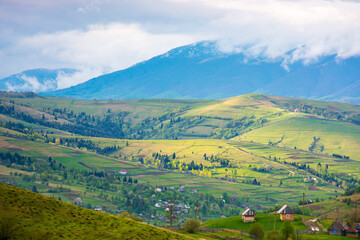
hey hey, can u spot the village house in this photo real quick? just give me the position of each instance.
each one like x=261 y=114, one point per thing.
x=338 y=228
x=286 y=213
x=157 y=205
x=357 y=227
x=98 y=208
x=248 y=215
x=181 y=189
x=158 y=189
x=123 y=172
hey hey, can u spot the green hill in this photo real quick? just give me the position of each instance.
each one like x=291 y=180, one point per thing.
x=236 y=223
x=28 y=215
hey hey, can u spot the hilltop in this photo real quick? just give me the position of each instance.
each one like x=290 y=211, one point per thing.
x=34 y=216
x=202 y=71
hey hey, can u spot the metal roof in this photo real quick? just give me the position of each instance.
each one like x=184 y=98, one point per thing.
x=286 y=210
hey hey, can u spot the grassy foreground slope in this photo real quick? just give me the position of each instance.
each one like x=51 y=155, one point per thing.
x=34 y=216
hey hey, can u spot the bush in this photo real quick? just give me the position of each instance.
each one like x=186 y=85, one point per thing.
x=256 y=231
x=288 y=230
x=191 y=225
x=273 y=235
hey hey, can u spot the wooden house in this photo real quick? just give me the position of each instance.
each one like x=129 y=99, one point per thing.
x=338 y=228
x=248 y=215
x=352 y=232
x=286 y=213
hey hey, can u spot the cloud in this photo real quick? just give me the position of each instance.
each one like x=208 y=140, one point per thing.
x=32 y=84
x=96 y=50
x=103 y=36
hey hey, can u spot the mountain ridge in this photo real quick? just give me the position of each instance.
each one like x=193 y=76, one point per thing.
x=201 y=71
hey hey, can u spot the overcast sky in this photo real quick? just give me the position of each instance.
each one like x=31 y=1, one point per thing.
x=101 y=36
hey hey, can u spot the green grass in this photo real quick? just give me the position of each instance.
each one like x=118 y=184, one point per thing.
x=236 y=223
x=336 y=137
x=34 y=216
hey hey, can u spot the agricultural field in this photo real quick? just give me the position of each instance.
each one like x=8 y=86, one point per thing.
x=247 y=151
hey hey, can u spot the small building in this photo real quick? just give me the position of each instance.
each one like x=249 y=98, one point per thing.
x=352 y=232
x=357 y=226
x=338 y=228
x=286 y=213
x=248 y=215
x=158 y=189
x=157 y=205
x=98 y=208
x=123 y=172
x=181 y=189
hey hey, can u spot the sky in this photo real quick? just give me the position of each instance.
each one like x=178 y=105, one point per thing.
x=102 y=36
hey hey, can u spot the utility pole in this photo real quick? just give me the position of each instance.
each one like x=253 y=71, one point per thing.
x=196 y=210
x=131 y=207
x=303 y=203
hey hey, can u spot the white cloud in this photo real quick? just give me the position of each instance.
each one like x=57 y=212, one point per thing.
x=126 y=32
x=32 y=84
x=98 y=49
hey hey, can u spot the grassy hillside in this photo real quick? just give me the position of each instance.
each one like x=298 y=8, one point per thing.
x=236 y=223
x=33 y=216
x=335 y=137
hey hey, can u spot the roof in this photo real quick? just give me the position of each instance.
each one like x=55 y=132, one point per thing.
x=248 y=212
x=286 y=210
x=351 y=230
x=123 y=170
x=342 y=226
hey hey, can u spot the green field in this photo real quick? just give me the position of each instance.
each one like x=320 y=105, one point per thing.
x=259 y=150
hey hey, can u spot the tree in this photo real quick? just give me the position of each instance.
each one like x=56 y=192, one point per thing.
x=256 y=231
x=34 y=189
x=170 y=213
x=191 y=225
x=287 y=230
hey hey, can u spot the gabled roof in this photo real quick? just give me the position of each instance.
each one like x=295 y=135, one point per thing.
x=340 y=224
x=248 y=212
x=286 y=210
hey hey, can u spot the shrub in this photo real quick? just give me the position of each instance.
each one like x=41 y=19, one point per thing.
x=273 y=235
x=256 y=231
x=288 y=230
x=191 y=225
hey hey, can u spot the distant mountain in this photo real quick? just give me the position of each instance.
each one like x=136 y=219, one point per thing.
x=200 y=71
x=35 y=80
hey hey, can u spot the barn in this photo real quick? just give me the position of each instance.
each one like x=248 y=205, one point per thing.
x=248 y=215
x=286 y=213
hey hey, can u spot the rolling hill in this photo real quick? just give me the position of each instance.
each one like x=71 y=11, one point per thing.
x=201 y=71
x=211 y=146
x=28 y=215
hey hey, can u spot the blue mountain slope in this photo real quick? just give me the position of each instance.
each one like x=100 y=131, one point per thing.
x=36 y=80
x=200 y=71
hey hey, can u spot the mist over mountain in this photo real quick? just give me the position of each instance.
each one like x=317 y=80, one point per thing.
x=201 y=71
x=35 y=80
